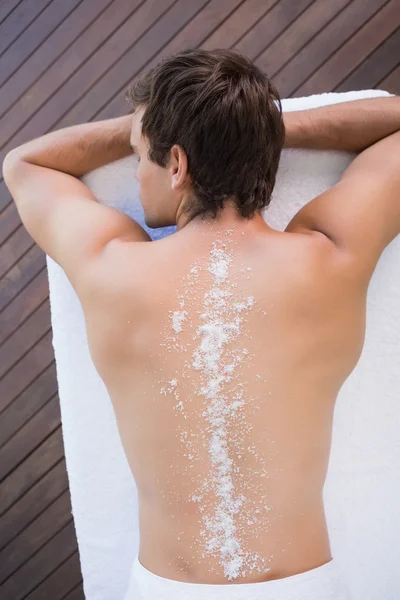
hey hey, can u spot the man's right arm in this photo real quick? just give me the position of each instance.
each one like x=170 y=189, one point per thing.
x=351 y=126
x=361 y=213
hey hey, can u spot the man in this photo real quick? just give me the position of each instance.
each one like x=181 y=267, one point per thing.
x=223 y=346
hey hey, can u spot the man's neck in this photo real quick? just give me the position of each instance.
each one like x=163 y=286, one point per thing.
x=228 y=217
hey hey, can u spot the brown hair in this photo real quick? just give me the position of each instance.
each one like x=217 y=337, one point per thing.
x=225 y=114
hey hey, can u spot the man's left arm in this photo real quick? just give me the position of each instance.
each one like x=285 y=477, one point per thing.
x=59 y=212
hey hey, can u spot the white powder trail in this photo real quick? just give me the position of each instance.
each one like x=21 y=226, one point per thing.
x=218 y=331
x=216 y=357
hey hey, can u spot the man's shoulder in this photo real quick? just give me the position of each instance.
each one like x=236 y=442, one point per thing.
x=121 y=267
x=314 y=259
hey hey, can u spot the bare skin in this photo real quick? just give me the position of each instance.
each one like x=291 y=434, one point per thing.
x=305 y=346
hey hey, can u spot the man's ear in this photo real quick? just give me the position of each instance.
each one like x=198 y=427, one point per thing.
x=179 y=166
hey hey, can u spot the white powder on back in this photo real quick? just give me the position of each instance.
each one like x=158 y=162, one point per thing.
x=216 y=356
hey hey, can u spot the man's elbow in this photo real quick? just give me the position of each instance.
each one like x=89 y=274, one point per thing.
x=11 y=162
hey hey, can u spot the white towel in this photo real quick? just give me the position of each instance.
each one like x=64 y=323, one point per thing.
x=362 y=490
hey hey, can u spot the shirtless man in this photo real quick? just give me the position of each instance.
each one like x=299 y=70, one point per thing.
x=223 y=346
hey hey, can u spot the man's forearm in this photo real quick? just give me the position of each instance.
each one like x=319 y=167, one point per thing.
x=80 y=148
x=351 y=126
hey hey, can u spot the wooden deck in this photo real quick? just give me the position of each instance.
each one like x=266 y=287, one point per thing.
x=64 y=63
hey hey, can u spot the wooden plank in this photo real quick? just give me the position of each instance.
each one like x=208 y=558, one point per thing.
x=33 y=503
x=40 y=565
x=375 y=67
x=6 y=7
x=66 y=579
x=66 y=49
x=276 y=20
x=298 y=34
x=76 y=594
x=25 y=337
x=391 y=83
x=323 y=45
x=21 y=274
x=353 y=53
x=196 y=31
x=24 y=304
x=9 y=217
x=192 y=35
x=35 y=536
x=16 y=245
x=5 y=196
x=28 y=403
x=35 y=466
x=34 y=35
x=239 y=22
x=144 y=49
x=29 y=437
x=19 y=19
x=26 y=370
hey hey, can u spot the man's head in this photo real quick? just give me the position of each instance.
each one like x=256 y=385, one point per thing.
x=207 y=127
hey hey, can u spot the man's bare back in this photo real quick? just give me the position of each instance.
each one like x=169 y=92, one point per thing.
x=301 y=338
